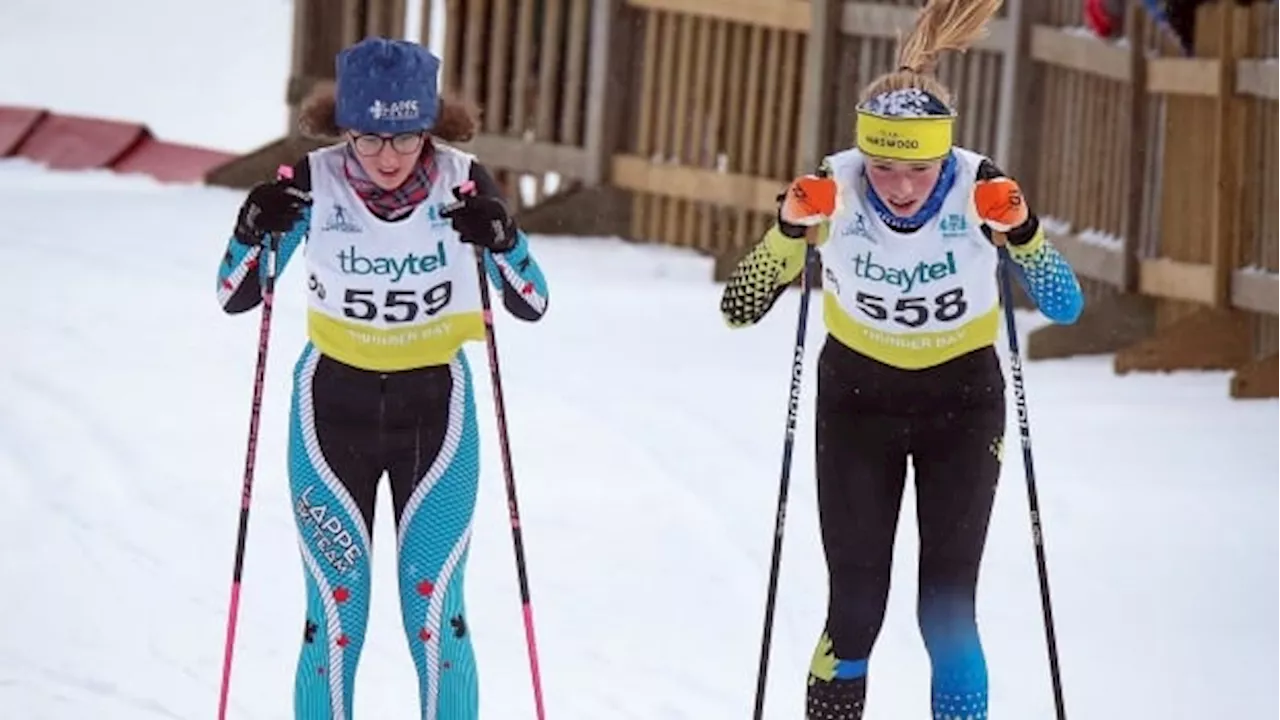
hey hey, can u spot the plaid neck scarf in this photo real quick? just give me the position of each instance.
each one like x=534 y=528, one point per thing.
x=392 y=204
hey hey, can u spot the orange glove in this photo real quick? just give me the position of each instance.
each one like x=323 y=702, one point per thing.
x=1000 y=204
x=808 y=201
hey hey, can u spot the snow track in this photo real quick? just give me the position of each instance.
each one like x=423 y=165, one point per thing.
x=646 y=437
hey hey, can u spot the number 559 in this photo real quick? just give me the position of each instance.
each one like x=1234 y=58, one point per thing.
x=396 y=306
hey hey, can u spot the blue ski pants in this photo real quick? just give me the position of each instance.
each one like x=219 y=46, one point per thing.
x=347 y=428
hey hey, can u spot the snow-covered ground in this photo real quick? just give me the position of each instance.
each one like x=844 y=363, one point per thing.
x=646 y=438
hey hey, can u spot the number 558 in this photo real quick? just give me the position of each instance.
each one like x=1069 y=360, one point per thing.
x=914 y=311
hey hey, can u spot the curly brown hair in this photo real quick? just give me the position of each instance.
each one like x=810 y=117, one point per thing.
x=458 y=120
x=941 y=25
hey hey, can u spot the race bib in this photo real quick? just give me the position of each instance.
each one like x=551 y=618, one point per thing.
x=388 y=295
x=911 y=300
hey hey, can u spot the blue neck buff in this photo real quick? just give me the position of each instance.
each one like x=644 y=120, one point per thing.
x=946 y=180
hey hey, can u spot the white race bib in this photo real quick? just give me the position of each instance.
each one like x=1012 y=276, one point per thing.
x=909 y=299
x=388 y=295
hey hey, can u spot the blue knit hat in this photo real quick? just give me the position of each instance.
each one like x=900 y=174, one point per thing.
x=386 y=86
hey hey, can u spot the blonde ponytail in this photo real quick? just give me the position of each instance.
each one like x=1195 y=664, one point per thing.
x=941 y=25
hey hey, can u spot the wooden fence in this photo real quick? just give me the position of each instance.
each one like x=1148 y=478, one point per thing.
x=679 y=121
x=1157 y=175
x=765 y=96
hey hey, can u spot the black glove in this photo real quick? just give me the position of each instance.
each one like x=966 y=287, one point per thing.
x=271 y=208
x=481 y=220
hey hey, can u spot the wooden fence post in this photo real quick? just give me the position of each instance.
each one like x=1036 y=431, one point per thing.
x=1136 y=24
x=815 y=105
x=602 y=56
x=1022 y=106
x=297 y=63
x=1016 y=65
x=1231 y=46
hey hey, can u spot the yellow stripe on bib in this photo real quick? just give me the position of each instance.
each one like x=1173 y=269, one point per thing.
x=370 y=348
x=910 y=351
x=904 y=138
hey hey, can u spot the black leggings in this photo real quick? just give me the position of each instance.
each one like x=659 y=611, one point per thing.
x=950 y=421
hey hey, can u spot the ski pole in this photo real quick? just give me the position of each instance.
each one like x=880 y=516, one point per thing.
x=267 y=260
x=1037 y=535
x=513 y=508
x=788 y=443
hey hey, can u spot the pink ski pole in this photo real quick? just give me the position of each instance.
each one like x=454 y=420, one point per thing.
x=495 y=375
x=268 y=262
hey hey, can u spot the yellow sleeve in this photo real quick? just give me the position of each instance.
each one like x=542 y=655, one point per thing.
x=762 y=275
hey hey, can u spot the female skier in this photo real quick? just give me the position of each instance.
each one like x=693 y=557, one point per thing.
x=383 y=385
x=908 y=228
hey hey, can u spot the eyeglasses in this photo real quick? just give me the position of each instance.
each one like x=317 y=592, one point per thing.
x=369 y=145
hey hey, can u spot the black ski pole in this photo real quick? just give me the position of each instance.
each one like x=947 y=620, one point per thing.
x=788 y=443
x=1024 y=427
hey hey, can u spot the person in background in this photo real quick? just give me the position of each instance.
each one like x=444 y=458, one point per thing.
x=1176 y=17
